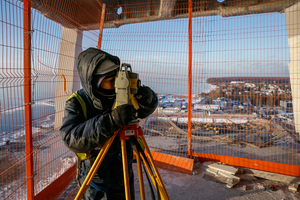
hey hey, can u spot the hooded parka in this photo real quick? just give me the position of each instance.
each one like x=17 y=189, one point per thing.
x=88 y=134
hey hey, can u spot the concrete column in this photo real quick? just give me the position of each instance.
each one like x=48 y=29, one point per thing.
x=70 y=47
x=292 y=18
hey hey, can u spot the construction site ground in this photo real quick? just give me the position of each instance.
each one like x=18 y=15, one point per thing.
x=248 y=138
x=193 y=187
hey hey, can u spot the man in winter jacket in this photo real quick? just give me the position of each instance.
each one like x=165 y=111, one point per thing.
x=85 y=130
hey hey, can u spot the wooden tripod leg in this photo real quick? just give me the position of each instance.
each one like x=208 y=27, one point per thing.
x=94 y=168
x=160 y=183
x=140 y=173
x=125 y=170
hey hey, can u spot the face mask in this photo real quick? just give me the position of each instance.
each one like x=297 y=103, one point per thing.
x=107 y=101
x=106 y=92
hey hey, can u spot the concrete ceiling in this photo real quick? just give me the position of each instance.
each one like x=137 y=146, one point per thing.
x=85 y=14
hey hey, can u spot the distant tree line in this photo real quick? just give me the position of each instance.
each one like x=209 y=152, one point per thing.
x=255 y=80
x=233 y=93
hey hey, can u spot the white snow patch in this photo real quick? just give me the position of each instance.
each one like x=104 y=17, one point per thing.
x=204 y=120
x=67 y=163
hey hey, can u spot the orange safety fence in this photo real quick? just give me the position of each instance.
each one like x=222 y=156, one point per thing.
x=225 y=73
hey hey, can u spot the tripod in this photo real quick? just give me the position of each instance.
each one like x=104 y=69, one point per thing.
x=125 y=132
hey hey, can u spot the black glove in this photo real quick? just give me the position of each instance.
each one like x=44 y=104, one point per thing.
x=124 y=114
x=144 y=95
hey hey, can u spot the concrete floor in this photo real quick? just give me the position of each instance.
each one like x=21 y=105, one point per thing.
x=193 y=187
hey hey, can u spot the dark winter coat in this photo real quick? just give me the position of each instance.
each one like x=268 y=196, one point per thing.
x=82 y=135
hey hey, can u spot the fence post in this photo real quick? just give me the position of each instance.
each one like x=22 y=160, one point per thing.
x=101 y=25
x=27 y=98
x=189 y=138
x=292 y=16
x=70 y=47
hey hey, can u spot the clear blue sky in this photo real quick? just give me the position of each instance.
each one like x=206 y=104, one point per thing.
x=250 y=45
x=232 y=44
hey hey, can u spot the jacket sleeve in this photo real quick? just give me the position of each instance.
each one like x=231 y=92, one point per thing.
x=147 y=109
x=81 y=135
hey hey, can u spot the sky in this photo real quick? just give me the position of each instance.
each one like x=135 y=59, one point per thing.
x=231 y=45
x=248 y=45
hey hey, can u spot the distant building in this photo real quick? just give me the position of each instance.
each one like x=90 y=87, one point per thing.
x=250 y=85
x=207 y=107
x=233 y=102
x=220 y=102
x=286 y=105
x=237 y=82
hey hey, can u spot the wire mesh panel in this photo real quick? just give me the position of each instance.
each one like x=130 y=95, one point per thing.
x=245 y=61
x=158 y=51
x=243 y=104
x=249 y=110
x=50 y=156
x=12 y=149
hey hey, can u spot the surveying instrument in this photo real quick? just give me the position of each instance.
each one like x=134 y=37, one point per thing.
x=126 y=85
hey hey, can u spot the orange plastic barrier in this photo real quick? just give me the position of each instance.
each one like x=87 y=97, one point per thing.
x=173 y=163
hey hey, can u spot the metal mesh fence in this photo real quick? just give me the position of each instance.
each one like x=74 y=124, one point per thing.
x=11 y=101
x=244 y=102
x=242 y=96
x=51 y=158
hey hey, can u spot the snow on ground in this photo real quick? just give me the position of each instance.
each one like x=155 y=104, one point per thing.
x=184 y=120
x=209 y=120
x=67 y=163
x=15 y=186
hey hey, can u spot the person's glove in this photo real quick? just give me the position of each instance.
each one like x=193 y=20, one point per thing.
x=123 y=114
x=144 y=95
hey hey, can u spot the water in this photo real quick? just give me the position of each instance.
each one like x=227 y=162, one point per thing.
x=12 y=110
x=43 y=110
x=12 y=120
x=177 y=87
